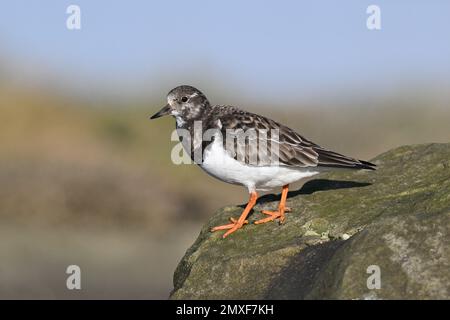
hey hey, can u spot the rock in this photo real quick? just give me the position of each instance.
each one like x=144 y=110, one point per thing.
x=343 y=226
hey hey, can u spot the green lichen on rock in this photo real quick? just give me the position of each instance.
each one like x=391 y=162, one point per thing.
x=397 y=218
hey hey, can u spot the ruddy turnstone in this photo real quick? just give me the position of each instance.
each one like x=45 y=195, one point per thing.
x=286 y=157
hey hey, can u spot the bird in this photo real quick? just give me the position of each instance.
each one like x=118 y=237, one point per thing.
x=286 y=157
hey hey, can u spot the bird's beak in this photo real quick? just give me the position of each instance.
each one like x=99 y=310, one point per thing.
x=163 y=112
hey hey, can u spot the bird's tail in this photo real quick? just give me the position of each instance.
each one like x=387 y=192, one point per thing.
x=333 y=159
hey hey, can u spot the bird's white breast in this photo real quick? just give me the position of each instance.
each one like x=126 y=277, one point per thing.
x=218 y=163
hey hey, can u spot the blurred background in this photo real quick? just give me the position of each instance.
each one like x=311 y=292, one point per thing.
x=86 y=178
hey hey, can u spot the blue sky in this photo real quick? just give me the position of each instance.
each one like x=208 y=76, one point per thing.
x=266 y=49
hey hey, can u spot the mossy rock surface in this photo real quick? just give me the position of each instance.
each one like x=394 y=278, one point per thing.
x=396 y=218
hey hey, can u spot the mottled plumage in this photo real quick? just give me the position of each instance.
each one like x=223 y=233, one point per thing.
x=247 y=149
x=293 y=149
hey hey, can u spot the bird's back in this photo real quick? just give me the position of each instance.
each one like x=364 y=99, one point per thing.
x=287 y=146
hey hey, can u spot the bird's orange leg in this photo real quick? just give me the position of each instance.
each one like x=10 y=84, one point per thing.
x=236 y=224
x=281 y=209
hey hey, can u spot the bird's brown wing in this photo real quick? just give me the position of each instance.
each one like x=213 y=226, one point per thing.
x=256 y=140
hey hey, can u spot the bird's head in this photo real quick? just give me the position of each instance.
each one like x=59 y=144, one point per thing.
x=185 y=103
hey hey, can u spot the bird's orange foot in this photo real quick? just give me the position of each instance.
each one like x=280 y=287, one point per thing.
x=231 y=227
x=273 y=215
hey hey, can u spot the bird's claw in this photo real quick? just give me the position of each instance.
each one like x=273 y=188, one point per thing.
x=231 y=227
x=273 y=215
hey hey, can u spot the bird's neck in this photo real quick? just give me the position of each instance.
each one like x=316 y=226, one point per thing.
x=200 y=120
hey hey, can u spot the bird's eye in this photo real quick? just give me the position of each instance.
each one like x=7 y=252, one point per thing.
x=184 y=99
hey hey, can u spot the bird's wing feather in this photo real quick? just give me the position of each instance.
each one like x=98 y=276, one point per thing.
x=257 y=140
x=267 y=142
